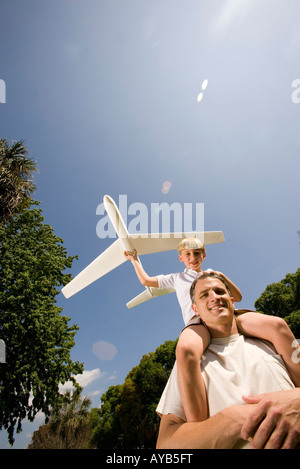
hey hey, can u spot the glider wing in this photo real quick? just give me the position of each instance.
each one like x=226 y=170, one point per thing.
x=111 y=258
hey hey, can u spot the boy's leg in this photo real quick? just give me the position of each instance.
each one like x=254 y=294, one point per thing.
x=275 y=330
x=191 y=344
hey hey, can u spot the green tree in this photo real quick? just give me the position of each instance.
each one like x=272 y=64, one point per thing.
x=283 y=299
x=38 y=338
x=293 y=320
x=16 y=183
x=105 y=421
x=69 y=428
x=127 y=417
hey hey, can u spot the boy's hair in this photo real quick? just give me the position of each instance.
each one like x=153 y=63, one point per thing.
x=202 y=277
x=190 y=243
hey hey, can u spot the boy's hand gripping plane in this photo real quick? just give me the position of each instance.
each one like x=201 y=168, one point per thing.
x=145 y=243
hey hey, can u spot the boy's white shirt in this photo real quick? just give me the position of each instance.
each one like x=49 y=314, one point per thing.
x=181 y=282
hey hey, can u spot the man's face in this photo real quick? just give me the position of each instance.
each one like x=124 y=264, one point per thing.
x=192 y=258
x=212 y=302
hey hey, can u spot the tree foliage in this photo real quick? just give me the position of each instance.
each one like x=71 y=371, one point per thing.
x=127 y=417
x=38 y=338
x=69 y=428
x=283 y=299
x=16 y=182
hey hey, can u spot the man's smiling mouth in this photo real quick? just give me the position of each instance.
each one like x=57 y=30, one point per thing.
x=218 y=306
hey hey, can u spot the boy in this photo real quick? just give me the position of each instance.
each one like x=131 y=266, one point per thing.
x=194 y=339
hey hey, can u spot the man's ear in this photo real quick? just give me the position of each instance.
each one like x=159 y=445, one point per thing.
x=194 y=308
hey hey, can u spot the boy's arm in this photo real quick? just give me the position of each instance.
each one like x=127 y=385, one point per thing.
x=140 y=272
x=275 y=330
x=234 y=290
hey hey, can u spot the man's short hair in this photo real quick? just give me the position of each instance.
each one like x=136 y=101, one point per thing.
x=204 y=275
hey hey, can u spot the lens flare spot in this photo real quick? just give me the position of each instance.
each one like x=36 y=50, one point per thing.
x=166 y=187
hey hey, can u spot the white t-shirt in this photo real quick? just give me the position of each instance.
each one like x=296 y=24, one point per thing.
x=181 y=282
x=231 y=367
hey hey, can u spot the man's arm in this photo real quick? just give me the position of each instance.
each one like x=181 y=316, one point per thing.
x=221 y=431
x=140 y=272
x=275 y=420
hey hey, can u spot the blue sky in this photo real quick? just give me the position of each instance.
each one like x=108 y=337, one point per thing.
x=104 y=94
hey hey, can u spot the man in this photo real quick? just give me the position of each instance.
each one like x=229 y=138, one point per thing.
x=232 y=366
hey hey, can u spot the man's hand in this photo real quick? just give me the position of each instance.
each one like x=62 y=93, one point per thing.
x=274 y=422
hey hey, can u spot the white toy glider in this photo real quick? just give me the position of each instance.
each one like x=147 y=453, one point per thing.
x=148 y=243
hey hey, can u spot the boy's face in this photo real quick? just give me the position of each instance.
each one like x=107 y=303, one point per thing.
x=192 y=258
